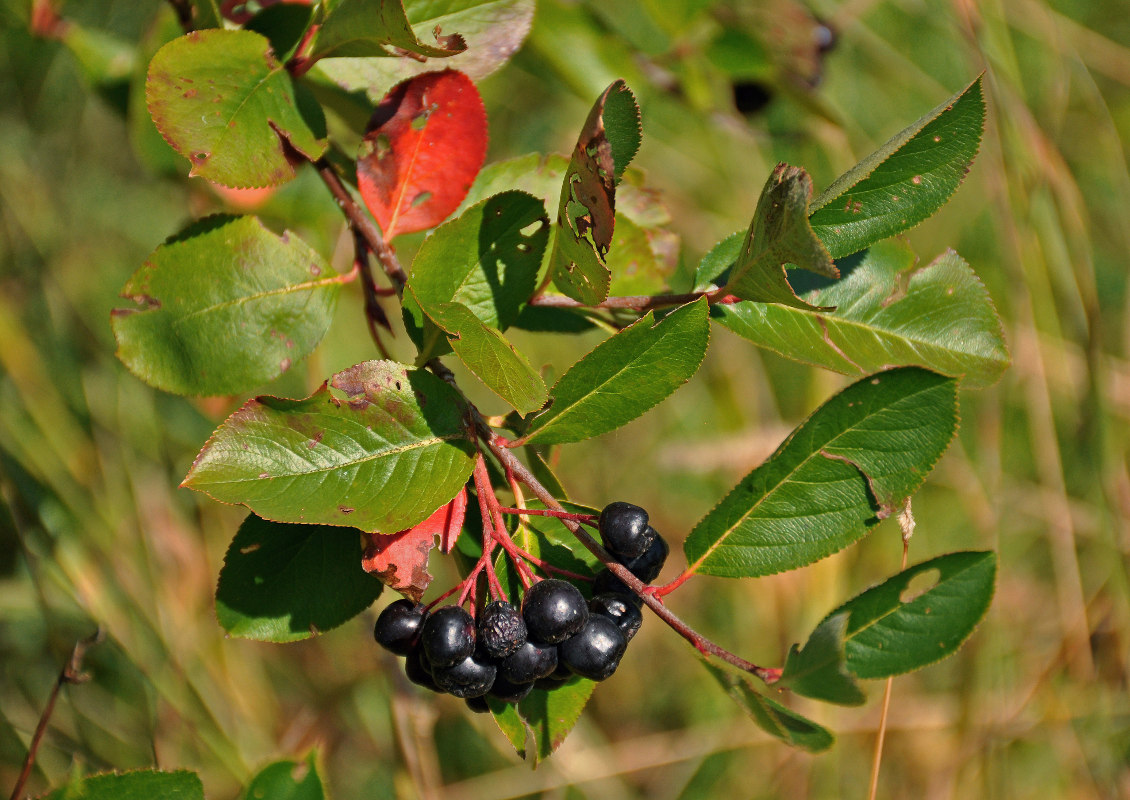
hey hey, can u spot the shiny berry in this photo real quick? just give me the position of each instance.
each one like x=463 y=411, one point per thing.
x=554 y=610
x=416 y=668
x=501 y=629
x=595 y=652
x=624 y=529
x=398 y=626
x=509 y=692
x=619 y=609
x=448 y=636
x=478 y=704
x=649 y=564
x=607 y=583
x=471 y=677
x=529 y=662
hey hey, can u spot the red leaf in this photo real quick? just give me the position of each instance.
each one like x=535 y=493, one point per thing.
x=426 y=143
x=400 y=560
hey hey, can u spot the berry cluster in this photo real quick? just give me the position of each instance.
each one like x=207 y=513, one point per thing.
x=555 y=635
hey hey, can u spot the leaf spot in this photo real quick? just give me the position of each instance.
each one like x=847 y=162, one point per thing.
x=248 y=549
x=284 y=365
x=264 y=475
x=201 y=157
x=916 y=180
x=316 y=440
x=345 y=509
x=421 y=198
x=919 y=585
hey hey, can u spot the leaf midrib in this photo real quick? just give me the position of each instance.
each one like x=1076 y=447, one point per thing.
x=283 y=290
x=693 y=568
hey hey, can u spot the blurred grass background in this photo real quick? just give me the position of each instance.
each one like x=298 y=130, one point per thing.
x=94 y=532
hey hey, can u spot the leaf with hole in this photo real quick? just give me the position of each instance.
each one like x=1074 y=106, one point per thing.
x=624 y=376
x=586 y=210
x=888 y=311
x=287 y=780
x=904 y=181
x=779 y=234
x=487 y=259
x=845 y=468
x=493 y=30
x=283 y=582
x=492 y=359
x=224 y=307
x=895 y=627
x=142 y=784
x=224 y=102
x=374 y=28
x=425 y=144
x=818 y=670
x=378 y=447
x=769 y=715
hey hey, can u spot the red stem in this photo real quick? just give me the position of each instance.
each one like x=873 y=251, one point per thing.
x=588 y=519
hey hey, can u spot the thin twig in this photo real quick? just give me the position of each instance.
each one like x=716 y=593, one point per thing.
x=906 y=520
x=375 y=316
x=71 y=673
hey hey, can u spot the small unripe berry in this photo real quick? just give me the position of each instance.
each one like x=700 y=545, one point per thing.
x=501 y=629
x=554 y=610
x=448 y=636
x=398 y=626
x=595 y=652
x=625 y=531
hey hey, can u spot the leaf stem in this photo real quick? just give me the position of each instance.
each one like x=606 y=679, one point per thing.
x=588 y=519
x=71 y=673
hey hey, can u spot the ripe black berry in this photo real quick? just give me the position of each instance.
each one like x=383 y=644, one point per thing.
x=501 y=629
x=509 y=692
x=471 y=677
x=624 y=529
x=448 y=636
x=398 y=626
x=554 y=610
x=619 y=609
x=607 y=583
x=478 y=704
x=649 y=564
x=595 y=652
x=529 y=662
x=416 y=668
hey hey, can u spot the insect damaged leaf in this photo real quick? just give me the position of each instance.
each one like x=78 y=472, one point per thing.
x=779 y=235
x=426 y=143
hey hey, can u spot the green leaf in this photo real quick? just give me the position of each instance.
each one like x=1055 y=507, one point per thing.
x=643 y=260
x=142 y=784
x=625 y=376
x=492 y=359
x=818 y=671
x=845 y=468
x=223 y=307
x=552 y=714
x=365 y=28
x=888 y=312
x=779 y=235
x=586 y=210
x=224 y=102
x=904 y=181
x=492 y=29
x=890 y=632
x=283 y=582
x=772 y=717
x=207 y=14
x=487 y=259
x=287 y=780
x=510 y=722
x=378 y=447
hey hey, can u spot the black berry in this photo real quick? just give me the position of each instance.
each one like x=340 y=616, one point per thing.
x=649 y=564
x=471 y=677
x=529 y=662
x=509 y=692
x=619 y=609
x=501 y=629
x=554 y=610
x=607 y=583
x=398 y=626
x=448 y=636
x=478 y=704
x=624 y=529
x=416 y=668
x=595 y=652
